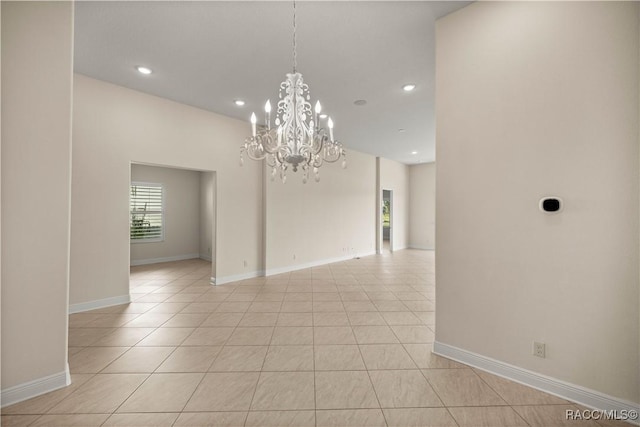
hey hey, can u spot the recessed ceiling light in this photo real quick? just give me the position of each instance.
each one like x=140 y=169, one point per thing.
x=144 y=70
x=414 y=152
x=239 y=102
x=323 y=116
x=401 y=130
x=360 y=102
x=408 y=87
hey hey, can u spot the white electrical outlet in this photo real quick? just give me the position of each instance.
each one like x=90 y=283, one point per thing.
x=539 y=349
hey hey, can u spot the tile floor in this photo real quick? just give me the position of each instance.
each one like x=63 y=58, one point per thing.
x=347 y=344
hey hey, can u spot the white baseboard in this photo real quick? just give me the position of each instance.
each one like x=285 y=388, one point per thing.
x=212 y=281
x=205 y=257
x=590 y=398
x=288 y=268
x=34 y=388
x=236 y=277
x=165 y=259
x=422 y=248
x=100 y=303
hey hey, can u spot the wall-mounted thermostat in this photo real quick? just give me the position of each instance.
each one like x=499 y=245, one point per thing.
x=551 y=204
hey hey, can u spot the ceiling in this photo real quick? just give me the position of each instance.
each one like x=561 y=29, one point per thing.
x=208 y=54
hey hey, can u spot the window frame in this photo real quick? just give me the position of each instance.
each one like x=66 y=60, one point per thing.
x=162 y=211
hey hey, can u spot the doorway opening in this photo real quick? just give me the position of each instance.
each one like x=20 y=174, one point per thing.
x=172 y=227
x=387 y=221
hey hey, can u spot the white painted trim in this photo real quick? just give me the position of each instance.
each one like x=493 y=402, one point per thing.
x=212 y=281
x=34 y=388
x=421 y=248
x=288 y=268
x=236 y=277
x=575 y=393
x=165 y=259
x=205 y=257
x=100 y=303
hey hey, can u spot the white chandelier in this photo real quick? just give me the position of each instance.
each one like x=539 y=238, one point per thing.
x=297 y=141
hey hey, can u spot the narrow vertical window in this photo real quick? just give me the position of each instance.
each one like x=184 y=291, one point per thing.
x=146 y=207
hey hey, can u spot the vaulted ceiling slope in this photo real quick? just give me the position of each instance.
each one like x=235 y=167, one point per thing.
x=208 y=54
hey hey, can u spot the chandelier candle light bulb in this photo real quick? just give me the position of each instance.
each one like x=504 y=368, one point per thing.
x=297 y=141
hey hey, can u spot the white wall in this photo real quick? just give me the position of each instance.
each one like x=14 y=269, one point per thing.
x=181 y=189
x=114 y=126
x=535 y=99
x=207 y=217
x=422 y=206
x=324 y=221
x=395 y=176
x=37 y=47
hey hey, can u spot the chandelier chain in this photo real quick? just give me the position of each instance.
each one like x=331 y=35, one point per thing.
x=295 y=59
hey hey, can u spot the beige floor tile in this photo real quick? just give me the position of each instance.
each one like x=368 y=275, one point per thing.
x=487 y=416
x=251 y=336
x=292 y=335
x=326 y=295
x=41 y=404
x=220 y=320
x=390 y=306
x=374 y=335
x=17 y=420
x=330 y=319
x=208 y=336
x=233 y=307
x=101 y=394
x=162 y=393
x=381 y=296
x=284 y=391
x=94 y=359
x=338 y=358
x=186 y=320
x=403 y=389
x=420 y=305
x=298 y=296
x=461 y=387
x=289 y=358
x=259 y=319
x=179 y=297
x=265 y=307
x=139 y=360
x=327 y=306
x=365 y=318
x=517 y=394
x=386 y=356
x=240 y=359
x=324 y=335
x=166 y=337
x=82 y=337
x=208 y=419
x=123 y=337
x=134 y=307
x=190 y=359
x=350 y=417
x=427 y=317
x=141 y=420
x=419 y=417
x=229 y=391
x=201 y=307
x=414 y=334
x=344 y=390
x=424 y=358
x=550 y=416
x=270 y=296
x=112 y=320
x=281 y=419
x=295 y=319
x=168 y=307
x=68 y=420
x=401 y=318
x=248 y=297
x=149 y=320
x=297 y=307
